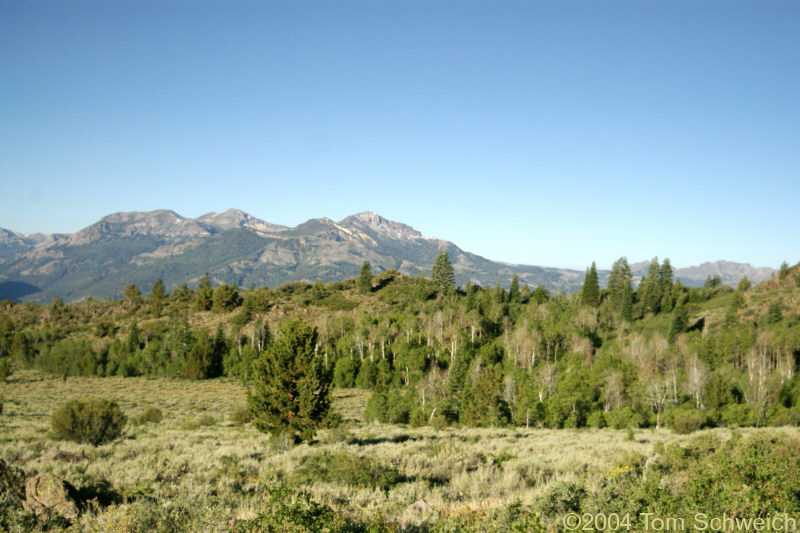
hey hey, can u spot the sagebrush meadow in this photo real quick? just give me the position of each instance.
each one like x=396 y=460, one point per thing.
x=198 y=470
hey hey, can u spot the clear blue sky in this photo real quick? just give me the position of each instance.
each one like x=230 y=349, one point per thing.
x=548 y=133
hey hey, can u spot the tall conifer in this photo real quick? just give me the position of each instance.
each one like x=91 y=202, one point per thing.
x=290 y=393
x=590 y=291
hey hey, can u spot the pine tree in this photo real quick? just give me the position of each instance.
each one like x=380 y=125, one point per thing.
x=774 y=313
x=678 y=323
x=744 y=285
x=225 y=298
x=784 y=271
x=132 y=294
x=482 y=403
x=666 y=282
x=514 y=295
x=219 y=345
x=590 y=290
x=290 y=393
x=365 y=278
x=157 y=298
x=620 y=288
x=204 y=298
x=627 y=302
x=650 y=288
x=443 y=274
x=540 y=295
x=318 y=291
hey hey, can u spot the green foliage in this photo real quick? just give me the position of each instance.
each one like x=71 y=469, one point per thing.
x=712 y=282
x=94 y=421
x=481 y=356
x=783 y=271
x=240 y=415
x=337 y=302
x=5 y=368
x=713 y=474
x=620 y=288
x=350 y=469
x=157 y=298
x=666 y=289
x=514 y=294
x=442 y=274
x=345 y=371
x=561 y=498
x=290 y=389
x=743 y=285
x=318 y=291
x=650 y=289
x=132 y=294
x=225 y=298
x=684 y=422
x=590 y=290
x=540 y=295
x=482 y=403
x=157 y=290
x=192 y=422
x=624 y=418
x=742 y=478
x=12 y=494
x=290 y=511
x=774 y=314
x=204 y=359
x=364 y=282
x=393 y=407
x=204 y=297
x=151 y=415
x=678 y=323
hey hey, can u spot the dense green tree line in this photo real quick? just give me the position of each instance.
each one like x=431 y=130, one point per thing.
x=658 y=354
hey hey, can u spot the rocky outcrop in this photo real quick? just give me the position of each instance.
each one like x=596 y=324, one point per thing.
x=47 y=495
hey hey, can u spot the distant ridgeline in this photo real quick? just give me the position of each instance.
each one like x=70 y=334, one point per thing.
x=236 y=248
x=658 y=354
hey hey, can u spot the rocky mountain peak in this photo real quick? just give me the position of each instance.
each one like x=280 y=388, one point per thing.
x=8 y=237
x=383 y=227
x=235 y=218
x=128 y=224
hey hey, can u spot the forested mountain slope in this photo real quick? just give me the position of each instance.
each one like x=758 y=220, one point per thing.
x=659 y=354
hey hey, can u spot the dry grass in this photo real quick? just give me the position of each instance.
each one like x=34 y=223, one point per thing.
x=205 y=476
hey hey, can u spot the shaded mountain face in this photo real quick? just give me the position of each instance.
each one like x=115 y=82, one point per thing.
x=235 y=247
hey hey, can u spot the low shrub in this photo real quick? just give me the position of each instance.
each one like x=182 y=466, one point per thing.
x=596 y=420
x=194 y=422
x=94 y=421
x=685 y=422
x=623 y=418
x=5 y=368
x=561 y=497
x=151 y=415
x=337 y=302
x=394 y=407
x=240 y=415
x=737 y=415
x=292 y=511
x=354 y=470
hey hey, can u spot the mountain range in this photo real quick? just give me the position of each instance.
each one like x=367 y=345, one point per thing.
x=235 y=247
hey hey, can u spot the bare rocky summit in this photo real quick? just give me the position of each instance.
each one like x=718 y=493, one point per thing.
x=236 y=247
